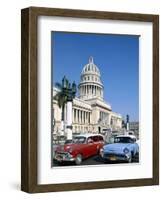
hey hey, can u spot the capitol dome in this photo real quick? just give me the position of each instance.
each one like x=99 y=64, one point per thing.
x=91 y=68
x=90 y=82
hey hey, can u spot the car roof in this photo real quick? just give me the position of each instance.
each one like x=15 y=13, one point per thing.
x=88 y=135
x=131 y=136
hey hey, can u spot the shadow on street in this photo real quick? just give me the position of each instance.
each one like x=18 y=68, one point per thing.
x=94 y=160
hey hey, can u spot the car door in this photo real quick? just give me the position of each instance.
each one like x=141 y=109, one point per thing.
x=95 y=144
x=90 y=146
x=100 y=142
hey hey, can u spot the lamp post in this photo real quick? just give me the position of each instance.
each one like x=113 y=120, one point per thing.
x=64 y=99
x=127 y=122
x=69 y=92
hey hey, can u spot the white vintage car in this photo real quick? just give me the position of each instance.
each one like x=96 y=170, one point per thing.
x=124 y=148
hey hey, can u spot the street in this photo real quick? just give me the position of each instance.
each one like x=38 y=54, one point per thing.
x=94 y=160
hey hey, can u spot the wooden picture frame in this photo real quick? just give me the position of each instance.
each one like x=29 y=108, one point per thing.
x=29 y=97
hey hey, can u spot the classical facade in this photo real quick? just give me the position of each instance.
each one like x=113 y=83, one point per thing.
x=90 y=112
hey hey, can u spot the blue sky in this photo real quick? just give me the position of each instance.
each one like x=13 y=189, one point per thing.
x=117 y=57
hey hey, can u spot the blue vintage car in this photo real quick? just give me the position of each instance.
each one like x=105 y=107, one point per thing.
x=124 y=148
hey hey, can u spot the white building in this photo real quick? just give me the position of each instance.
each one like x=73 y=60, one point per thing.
x=90 y=112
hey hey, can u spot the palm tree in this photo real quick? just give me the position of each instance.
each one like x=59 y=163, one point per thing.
x=61 y=98
x=66 y=93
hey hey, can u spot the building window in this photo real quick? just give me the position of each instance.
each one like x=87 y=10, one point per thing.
x=88 y=78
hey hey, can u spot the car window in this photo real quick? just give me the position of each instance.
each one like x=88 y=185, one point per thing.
x=95 y=138
x=90 y=139
x=68 y=141
x=123 y=140
x=79 y=140
x=101 y=138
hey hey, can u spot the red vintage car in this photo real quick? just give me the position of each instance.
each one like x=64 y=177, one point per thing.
x=81 y=147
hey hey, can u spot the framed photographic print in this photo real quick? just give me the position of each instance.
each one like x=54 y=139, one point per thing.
x=90 y=100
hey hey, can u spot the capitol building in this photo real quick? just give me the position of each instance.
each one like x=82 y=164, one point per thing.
x=90 y=112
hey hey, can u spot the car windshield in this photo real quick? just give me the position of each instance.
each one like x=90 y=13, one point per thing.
x=68 y=141
x=79 y=140
x=123 y=140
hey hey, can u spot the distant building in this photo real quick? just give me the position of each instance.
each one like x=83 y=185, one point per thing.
x=134 y=126
x=90 y=112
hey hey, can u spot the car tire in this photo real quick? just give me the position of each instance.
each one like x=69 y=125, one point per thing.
x=78 y=159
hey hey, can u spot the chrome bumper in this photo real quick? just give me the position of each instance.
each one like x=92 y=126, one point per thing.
x=116 y=157
x=63 y=157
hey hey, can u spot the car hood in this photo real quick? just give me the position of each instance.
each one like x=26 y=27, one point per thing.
x=116 y=147
x=66 y=147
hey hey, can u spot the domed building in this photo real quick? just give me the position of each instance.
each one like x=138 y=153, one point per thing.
x=90 y=85
x=90 y=113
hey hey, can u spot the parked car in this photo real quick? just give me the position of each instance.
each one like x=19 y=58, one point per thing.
x=124 y=148
x=81 y=147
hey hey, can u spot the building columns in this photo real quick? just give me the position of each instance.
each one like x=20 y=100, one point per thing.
x=79 y=117
x=73 y=117
x=69 y=120
x=84 y=117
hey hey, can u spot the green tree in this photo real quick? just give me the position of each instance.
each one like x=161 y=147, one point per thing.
x=61 y=98
x=66 y=93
